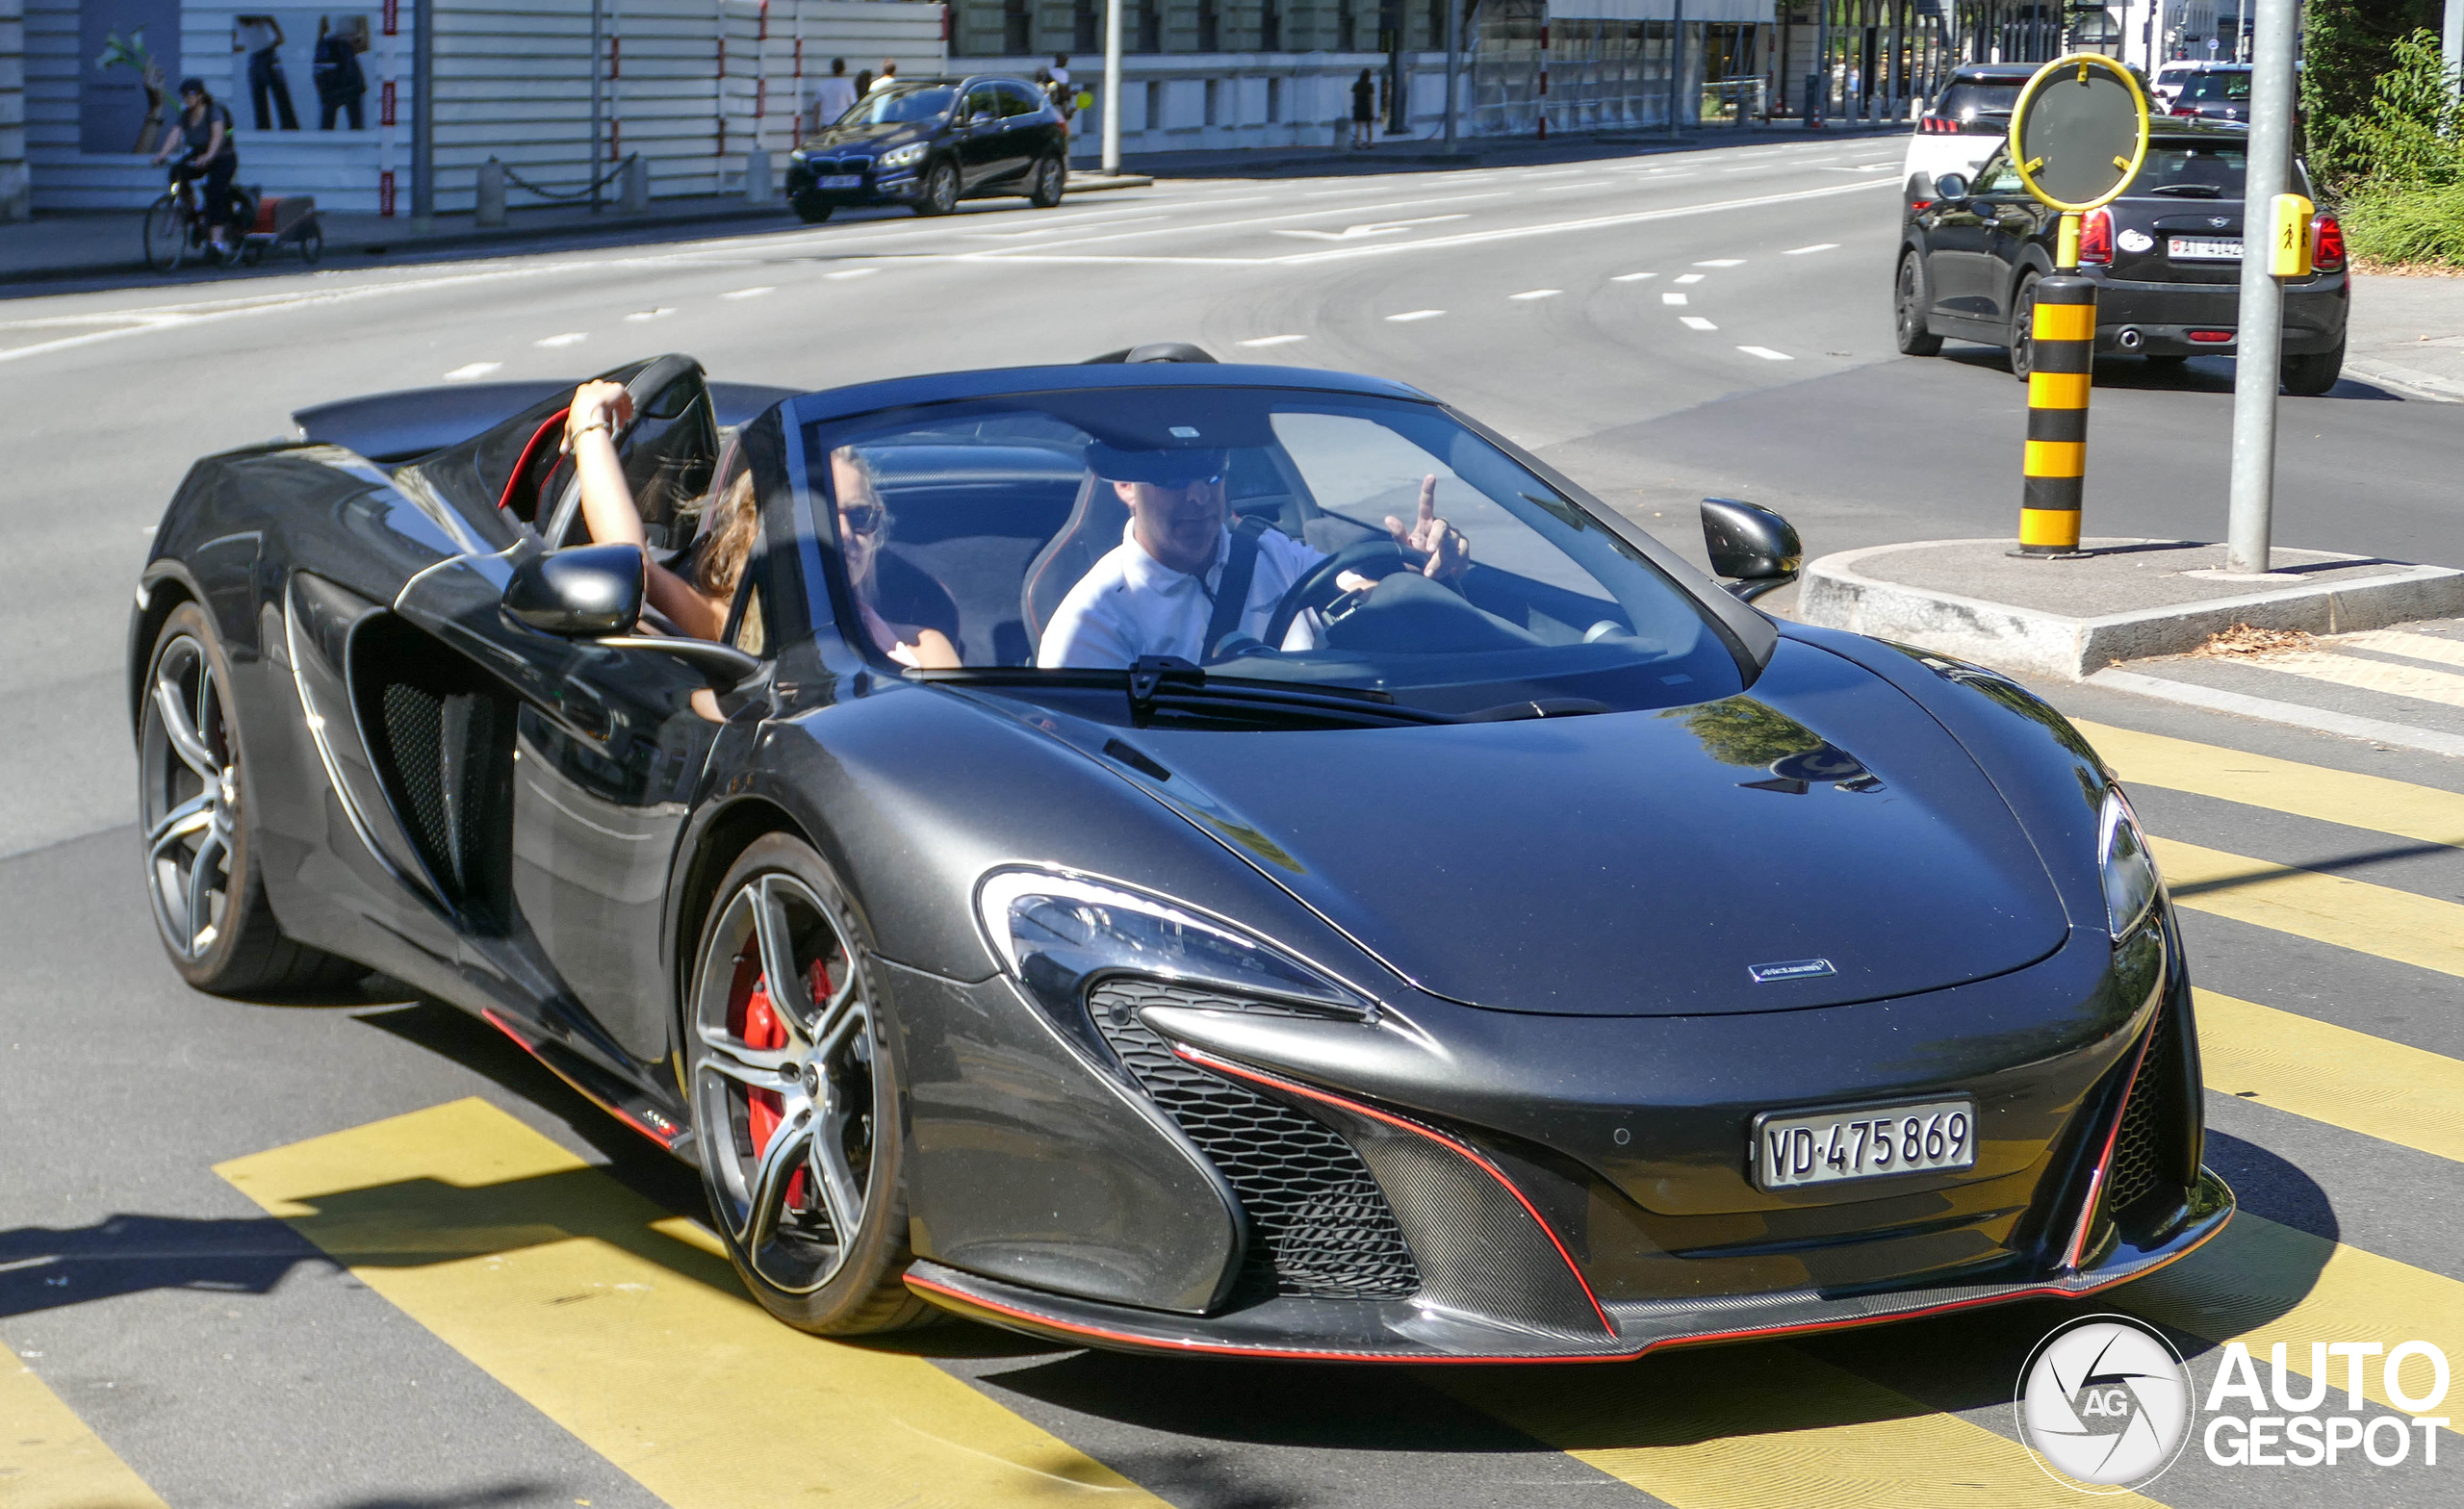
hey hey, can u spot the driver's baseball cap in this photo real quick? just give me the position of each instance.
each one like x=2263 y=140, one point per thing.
x=1176 y=465
x=192 y=85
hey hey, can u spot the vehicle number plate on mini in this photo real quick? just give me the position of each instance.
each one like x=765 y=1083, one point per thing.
x=1832 y=1146
x=846 y=181
x=2202 y=249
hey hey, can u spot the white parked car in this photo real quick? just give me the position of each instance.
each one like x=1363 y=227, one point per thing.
x=1962 y=125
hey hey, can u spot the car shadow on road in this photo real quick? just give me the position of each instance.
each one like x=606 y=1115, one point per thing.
x=2209 y=375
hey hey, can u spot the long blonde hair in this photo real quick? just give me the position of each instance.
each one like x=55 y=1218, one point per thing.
x=720 y=565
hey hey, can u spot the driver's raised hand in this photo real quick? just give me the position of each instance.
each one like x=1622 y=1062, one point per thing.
x=597 y=403
x=1441 y=546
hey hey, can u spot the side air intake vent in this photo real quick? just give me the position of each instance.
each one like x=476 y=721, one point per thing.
x=442 y=739
x=2138 y=1159
x=1318 y=1223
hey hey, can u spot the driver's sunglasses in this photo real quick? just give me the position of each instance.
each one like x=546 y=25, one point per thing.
x=861 y=518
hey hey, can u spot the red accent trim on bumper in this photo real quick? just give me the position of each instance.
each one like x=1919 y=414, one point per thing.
x=2105 y=1159
x=666 y=1140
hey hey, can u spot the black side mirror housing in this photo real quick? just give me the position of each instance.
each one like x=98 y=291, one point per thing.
x=587 y=592
x=1751 y=545
x=1950 y=186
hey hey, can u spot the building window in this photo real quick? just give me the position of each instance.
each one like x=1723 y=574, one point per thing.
x=1347 y=30
x=1015 y=25
x=1274 y=101
x=1088 y=36
x=1150 y=26
x=1271 y=26
x=1213 y=102
x=1210 y=31
x=1437 y=23
x=1154 y=103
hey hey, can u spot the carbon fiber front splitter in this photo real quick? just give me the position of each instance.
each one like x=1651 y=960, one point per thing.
x=1401 y=1331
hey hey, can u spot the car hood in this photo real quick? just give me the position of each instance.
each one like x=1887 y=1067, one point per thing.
x=1644 y=863
x=874 y=138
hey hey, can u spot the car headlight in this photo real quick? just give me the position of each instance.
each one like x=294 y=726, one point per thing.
x=905 y=156
x=2131 y=880
x=796 y=156
x=1058 y=935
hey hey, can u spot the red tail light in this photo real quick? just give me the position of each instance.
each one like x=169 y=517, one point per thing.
x=2326 y=244
x=2096 y=236
x=2185 y=112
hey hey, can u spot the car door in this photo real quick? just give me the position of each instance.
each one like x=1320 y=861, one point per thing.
x=1965 y=275
x=981 y=137
x=1024 y=129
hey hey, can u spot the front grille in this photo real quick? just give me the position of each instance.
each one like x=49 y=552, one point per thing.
x=2139 y=1161
x=1318 y=1223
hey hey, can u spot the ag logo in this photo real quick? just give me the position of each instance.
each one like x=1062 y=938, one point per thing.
x=2105 y=1404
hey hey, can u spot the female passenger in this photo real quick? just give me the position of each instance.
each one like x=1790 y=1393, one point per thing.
x=699 y=605
x=203 y=136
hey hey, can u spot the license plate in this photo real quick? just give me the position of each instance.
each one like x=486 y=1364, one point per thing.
x=2202 y=249
x=857 y=181
x=1793 y=1150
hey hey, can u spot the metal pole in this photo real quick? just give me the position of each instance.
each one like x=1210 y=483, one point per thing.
x=2259 y=340
x=1454 y=63
x=1112 y=86
x=2451 y=41
x=1675 y=60
x=424 y=116
x=598 y=100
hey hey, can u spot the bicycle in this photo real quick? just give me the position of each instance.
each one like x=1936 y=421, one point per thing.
x=175 y=227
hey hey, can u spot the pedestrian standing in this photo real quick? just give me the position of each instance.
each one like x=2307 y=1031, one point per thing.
x=1364 y=108
x=833 y=96
x=260 y=36
x=336 y=73
x=887 y=76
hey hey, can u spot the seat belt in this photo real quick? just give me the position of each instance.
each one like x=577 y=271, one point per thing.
x=1232 y=593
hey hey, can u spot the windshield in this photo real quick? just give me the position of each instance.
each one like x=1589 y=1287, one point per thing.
x=1968 y=100
x=2193 y=169
x=1392 y=554
x=2216 y=88
x=901 y=103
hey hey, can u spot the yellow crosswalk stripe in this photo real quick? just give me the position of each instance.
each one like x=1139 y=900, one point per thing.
x=2418 y=682
x=626 y=1326
x=2375 y=919
x=2331 y=796
x=49 y=1460
x=2397 y=642
x=1762 y=1426
x=2346 y=1079
x=2260 y=1283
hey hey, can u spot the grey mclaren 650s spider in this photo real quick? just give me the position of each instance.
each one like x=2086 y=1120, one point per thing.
x=1182 y=856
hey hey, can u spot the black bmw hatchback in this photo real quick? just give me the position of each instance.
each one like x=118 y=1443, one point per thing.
x=931 y=144
x=2165 y=256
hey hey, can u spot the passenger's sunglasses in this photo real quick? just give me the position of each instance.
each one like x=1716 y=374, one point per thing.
x=861 y=518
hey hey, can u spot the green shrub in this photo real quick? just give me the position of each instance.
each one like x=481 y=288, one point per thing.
x=2389 y=224
x=2412 y=136
x=2345 y=46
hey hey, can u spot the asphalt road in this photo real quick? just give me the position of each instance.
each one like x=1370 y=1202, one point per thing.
x=1657 y=327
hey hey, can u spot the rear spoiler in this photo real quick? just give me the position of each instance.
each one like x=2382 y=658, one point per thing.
x=401 y=426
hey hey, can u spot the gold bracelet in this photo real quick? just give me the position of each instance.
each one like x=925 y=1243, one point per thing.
x=597 y=424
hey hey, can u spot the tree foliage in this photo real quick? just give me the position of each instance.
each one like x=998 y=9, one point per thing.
x=2345 y=46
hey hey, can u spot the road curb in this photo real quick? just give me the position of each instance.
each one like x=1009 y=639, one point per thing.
x=2411 y=383
x=1836 y=594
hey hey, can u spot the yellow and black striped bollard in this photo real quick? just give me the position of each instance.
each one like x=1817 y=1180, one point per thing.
x=2063 y=346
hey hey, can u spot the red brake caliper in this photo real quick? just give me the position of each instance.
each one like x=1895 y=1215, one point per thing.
x=756 y=1024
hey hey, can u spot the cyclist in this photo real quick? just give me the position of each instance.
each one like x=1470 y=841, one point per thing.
x=203 y=138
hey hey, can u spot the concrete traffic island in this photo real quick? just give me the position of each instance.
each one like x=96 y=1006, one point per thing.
x=2125 y=599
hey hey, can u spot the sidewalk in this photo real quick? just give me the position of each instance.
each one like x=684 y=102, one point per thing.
x=2407 y=332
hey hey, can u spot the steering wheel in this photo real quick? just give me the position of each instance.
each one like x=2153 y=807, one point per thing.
x=1319 y=581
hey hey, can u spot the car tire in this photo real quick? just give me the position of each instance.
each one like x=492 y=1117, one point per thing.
x=2309 y=377
x=2022 y=343
x=813 y=213
x=1910 y=299
x=199 y=844
x=941 y=191
x=796 y=1104
x=1045 y=182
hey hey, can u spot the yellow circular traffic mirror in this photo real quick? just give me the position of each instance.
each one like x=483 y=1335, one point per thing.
x=2079 y=131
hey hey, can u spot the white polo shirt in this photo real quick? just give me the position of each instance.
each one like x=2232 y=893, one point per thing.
x=1131 y=605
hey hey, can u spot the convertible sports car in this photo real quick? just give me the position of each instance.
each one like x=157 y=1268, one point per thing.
x=1548 y=957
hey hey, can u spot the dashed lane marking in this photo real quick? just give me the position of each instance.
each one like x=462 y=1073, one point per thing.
x=49 y=1460
x=1696 y=322
x=642 y=316
x=1633 y=277
x=852 y=272
x=624 y=1325
x=1529 y=293
x=1271 y=340
x=471 y=370
x=2284 y=785
x=1722 y=262
x=1690 y=277
x=569 y=338
x=1766 y=353
x=2388 y=1091
x=1597 y=183
x=1410 y=316
x=1807 y=251
x=750 y=293
x=2420 y=930
x=1673 y=300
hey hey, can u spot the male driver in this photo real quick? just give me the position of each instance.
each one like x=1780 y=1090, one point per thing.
x=1154 y=593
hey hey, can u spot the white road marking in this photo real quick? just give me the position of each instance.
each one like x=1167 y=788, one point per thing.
x=1372 y=228
x=1037 y=253
x=473 y=370
x=1417 y=314
x=1766 y=353
x=1723 y=262
x=1696 y=322
x=1675 y=299
x=1555 y=172
x=1633 y=277
x=750 y=293
x=1271 y=340
x=642 y=316
x=852 y=273
x=1807 y=251
x=1328 y=193
x=1536 y=293
x=569 y=338
x=1690 y=277
x=1600 y=183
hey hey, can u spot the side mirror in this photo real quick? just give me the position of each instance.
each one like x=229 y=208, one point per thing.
x=583 y=593
x=1751 y=545
x=1950 y=186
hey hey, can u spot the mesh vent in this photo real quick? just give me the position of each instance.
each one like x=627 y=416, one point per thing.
x=2139 y=1161
x=414 y=730
x=446 y=754
x=1320 y=1224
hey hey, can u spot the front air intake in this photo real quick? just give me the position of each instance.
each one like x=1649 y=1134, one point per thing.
x=2137 y=1167
x=1319 y=1224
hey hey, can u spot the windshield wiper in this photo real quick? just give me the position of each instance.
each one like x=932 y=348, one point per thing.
x=2190 y=191
x=1168 y=684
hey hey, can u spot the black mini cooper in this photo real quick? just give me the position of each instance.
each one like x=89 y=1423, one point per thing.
x=931 y=144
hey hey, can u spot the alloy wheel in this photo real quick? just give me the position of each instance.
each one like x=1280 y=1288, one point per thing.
x=2023 y=331
x=941 y=191
x=190 y=799
x=783 y=1079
